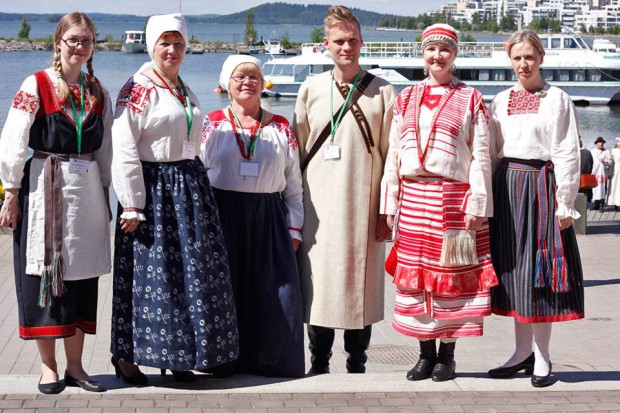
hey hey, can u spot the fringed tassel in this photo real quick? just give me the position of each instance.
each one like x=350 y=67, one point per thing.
x=52 y=283
x=543 y=268
x=559 y=282
x=458 y=248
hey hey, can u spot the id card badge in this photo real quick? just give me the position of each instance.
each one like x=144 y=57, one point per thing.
x=331 y=152
x=78 y=166
x=189 y=150
x=248 y=168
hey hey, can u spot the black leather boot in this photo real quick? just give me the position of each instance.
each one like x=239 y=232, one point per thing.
x=356 y=343
x=428 y=357
x=444 y=369
x=321 y=341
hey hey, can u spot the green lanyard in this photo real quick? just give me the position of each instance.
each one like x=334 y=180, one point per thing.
x=183 y=101
x=253 y=134
x=79 y=120
x=346 y=101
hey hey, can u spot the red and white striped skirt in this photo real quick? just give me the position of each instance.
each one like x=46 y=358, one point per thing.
x=434 y=300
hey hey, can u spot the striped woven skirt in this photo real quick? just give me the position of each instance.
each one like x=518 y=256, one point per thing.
x=514 y=235
x=434 y=300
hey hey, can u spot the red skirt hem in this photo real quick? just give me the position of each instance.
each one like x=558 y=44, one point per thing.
x=49 y=332
x=538 y=319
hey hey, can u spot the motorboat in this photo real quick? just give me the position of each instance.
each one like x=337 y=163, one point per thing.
x=274 y=47
x=133 y=41
x=589 y=77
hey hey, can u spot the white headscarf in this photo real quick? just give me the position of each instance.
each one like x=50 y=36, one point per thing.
x=231 y=63
x=157 y=25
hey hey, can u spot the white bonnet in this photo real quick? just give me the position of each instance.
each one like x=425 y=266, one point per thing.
x=231 y=63
x=157 y=25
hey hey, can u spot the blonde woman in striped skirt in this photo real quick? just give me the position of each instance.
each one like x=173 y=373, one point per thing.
x=438 y=182
x=534 y=247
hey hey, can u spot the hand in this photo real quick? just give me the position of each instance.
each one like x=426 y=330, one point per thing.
x=10 y=213
x=129 y=225
x=383 y=231
x=565 y=223
x=473 y=223
x=296 y=243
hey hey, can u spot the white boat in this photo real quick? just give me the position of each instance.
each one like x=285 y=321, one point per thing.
x=587 y=76
x=606 y=47
x=273 y=47
x=133 y=41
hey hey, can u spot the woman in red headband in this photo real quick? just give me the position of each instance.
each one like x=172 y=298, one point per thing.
x=437 y=182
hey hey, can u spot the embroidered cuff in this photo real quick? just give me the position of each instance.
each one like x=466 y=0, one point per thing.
x=295 y=233
x=133 y=214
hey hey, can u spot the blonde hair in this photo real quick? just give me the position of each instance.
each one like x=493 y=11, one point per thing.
x=249 y=68
x=65 y=24
x=525 y=36
x=340 y=15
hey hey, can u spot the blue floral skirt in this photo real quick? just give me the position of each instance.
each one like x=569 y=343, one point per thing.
x=173 y=303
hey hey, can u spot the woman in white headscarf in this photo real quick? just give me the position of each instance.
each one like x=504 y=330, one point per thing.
x=252 y=159
x=173 y=305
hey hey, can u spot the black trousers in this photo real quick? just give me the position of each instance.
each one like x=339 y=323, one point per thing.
x=356 y=343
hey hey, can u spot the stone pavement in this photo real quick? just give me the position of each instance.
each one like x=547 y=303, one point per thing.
x=586 y=364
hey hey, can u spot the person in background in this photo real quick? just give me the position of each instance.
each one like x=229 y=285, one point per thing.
x=586 y=164
x=252 y=159
x=342 y=120
x=57 y=200
x=533 y=246
x=173 y=305
x=614 y=191
x=601 y=169
x=438 y=180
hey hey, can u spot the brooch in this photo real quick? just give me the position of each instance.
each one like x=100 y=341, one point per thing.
x=541 y=93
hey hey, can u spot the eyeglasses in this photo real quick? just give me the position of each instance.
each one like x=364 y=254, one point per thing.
x=73 y=42
x=251 y=78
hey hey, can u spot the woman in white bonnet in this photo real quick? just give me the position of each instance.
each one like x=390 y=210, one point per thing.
x=252 y=159
x=173 y=306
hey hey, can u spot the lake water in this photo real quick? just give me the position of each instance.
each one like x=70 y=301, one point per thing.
x=201 y=72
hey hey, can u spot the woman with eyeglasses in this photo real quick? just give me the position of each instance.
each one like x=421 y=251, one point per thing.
x=173 y=306
x=57 y=201
x=252 y=159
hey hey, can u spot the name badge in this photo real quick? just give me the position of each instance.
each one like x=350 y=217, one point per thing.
x=331 y=152
x=248 y=168
x=78 y=166
x=189 y=150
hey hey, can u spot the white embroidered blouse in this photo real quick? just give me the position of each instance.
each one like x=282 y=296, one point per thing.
x=458 y=144
x=149 y=125
x=277 y=153
x=528 y=126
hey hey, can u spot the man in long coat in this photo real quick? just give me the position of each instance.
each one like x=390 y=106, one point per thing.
x=342 y=254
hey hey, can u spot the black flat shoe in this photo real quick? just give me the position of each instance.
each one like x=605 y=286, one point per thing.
x=505 y=372
x=88 y=385
x=49 y=388
x=138 y=379
x=543 y=381
x=184 y=376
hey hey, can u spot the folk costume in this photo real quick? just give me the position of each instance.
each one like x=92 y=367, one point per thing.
x=535 y=184
x=603 y=162
x=438 y=170
x=340 y=263
x=614 y=191
x=260 y=213
x=173 y=305
x=62 y=244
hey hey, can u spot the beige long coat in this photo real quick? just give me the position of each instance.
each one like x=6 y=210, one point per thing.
x=340 y=263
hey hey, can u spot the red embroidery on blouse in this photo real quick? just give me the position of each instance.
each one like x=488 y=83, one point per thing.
x=522 y=102
x=26 y=102
x=76 y=94
x=133 y=96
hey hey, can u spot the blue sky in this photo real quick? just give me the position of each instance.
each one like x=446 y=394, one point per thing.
x=148 y=7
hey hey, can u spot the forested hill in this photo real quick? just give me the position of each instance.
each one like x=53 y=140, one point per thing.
x=269 y=13
x=283 y=13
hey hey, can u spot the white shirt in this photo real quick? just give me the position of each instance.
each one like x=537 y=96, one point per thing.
x=550 y=133
x=276 y=151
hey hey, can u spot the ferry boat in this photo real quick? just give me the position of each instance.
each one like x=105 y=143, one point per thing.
x=133 y=41
x=587 y=76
